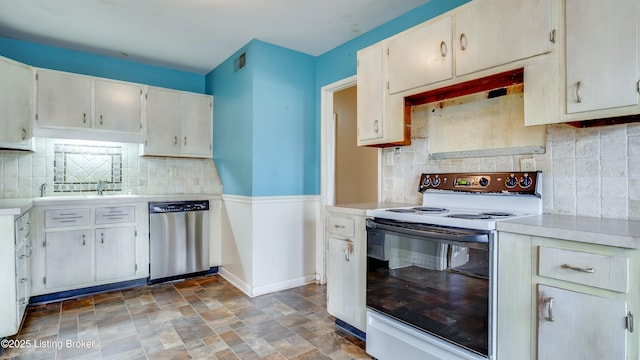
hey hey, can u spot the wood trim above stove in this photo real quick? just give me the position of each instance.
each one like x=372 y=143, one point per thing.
x=486 y=83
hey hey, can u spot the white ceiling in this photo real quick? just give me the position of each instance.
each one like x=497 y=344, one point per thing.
x=193 y=35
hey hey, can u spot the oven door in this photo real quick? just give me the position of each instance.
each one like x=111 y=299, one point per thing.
x=435 y=279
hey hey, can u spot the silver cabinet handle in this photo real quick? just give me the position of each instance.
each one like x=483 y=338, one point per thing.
x=175 y=140
x=84 y=118
x=23 y=280
x=339 y=226
x=185 y=140
x=549 y=302
x=346 y=254
x=102 y=238
x=375 y=126
x=100 y=119
x=24 y=134
x=463 y=41
x=578 y=92
x=30 y=250
x=83 y=240
x=443 y=49
x=589 y=270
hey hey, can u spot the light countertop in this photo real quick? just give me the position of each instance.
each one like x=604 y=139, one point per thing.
x=14 y=207
x=361 y=208
x=610 y=232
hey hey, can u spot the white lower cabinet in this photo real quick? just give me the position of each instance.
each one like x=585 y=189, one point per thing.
x=574 y=325
x=89 y=245
x=341 y=279
x=15 y=272
x=115 y=253
x=346 y=267
x=68 y=258
x=561 y=299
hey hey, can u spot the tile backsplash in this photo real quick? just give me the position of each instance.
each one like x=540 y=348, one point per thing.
x=79 y=168
x=589 y=172
x=119 y=164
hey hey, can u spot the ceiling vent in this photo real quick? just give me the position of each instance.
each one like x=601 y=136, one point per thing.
x=240 y=62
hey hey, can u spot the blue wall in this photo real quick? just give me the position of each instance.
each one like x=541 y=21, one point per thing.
x=263 y=118
x=54 y=58
x=233 y=123
x=284 y=103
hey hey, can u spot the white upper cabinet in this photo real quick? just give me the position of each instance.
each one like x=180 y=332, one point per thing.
x=64 y=100
x=197 y=125
x=16 y=102
x=601 y=54
x=118 y=106
x=489 y=33
x=162 y=122
x=83 y=107
x=371 y=93
x=178 y=124
x=420 y=56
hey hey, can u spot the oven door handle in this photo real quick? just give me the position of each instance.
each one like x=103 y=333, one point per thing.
x=438 y=233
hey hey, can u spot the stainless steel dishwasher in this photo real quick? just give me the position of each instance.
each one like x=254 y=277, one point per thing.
x=178 y=239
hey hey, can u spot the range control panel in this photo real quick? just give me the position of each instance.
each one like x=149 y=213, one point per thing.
x=505 y=182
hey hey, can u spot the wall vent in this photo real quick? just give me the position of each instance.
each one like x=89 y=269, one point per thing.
x=240 y=62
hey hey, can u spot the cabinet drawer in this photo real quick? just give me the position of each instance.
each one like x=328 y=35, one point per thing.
x=341 y=226
x=114 y=215
x=67 y=217
x=601 y=271
x=22 y=227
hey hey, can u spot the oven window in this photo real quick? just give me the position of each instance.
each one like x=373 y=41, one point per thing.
x=435 y=286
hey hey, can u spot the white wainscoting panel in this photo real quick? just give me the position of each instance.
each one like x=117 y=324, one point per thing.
x=269 y=243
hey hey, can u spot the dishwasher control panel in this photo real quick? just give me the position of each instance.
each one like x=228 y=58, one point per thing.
x=178 y=206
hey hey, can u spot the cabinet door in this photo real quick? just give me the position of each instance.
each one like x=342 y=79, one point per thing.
x=163 y=124
x=115 y=253
x=118 y=106
x=602 y=60
x=197 y=125
x=22 y=279
x=486 y=36
x=341 y=275
x=16 y=101
x=574 y=325
x=420 y=56
x=371 y=93
x=64 y=100
x=68 y=258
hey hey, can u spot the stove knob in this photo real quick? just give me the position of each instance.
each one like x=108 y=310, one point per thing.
x=435 y=182
x=484 y=182
x=525 y=181
x=426 y=182
x=511 y=181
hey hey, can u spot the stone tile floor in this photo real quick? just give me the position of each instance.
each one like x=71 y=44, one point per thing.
x=199 y=318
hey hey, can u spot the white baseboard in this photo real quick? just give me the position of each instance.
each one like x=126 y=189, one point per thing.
x=284 y=285
x=265 y=289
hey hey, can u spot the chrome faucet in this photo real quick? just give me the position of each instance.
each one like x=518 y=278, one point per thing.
x=43 y=190
x=100 y=187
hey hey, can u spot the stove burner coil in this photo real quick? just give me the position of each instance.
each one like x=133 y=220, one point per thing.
x=470 y=216
x=401 y=210
x=429 y=209
x=497 y=213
